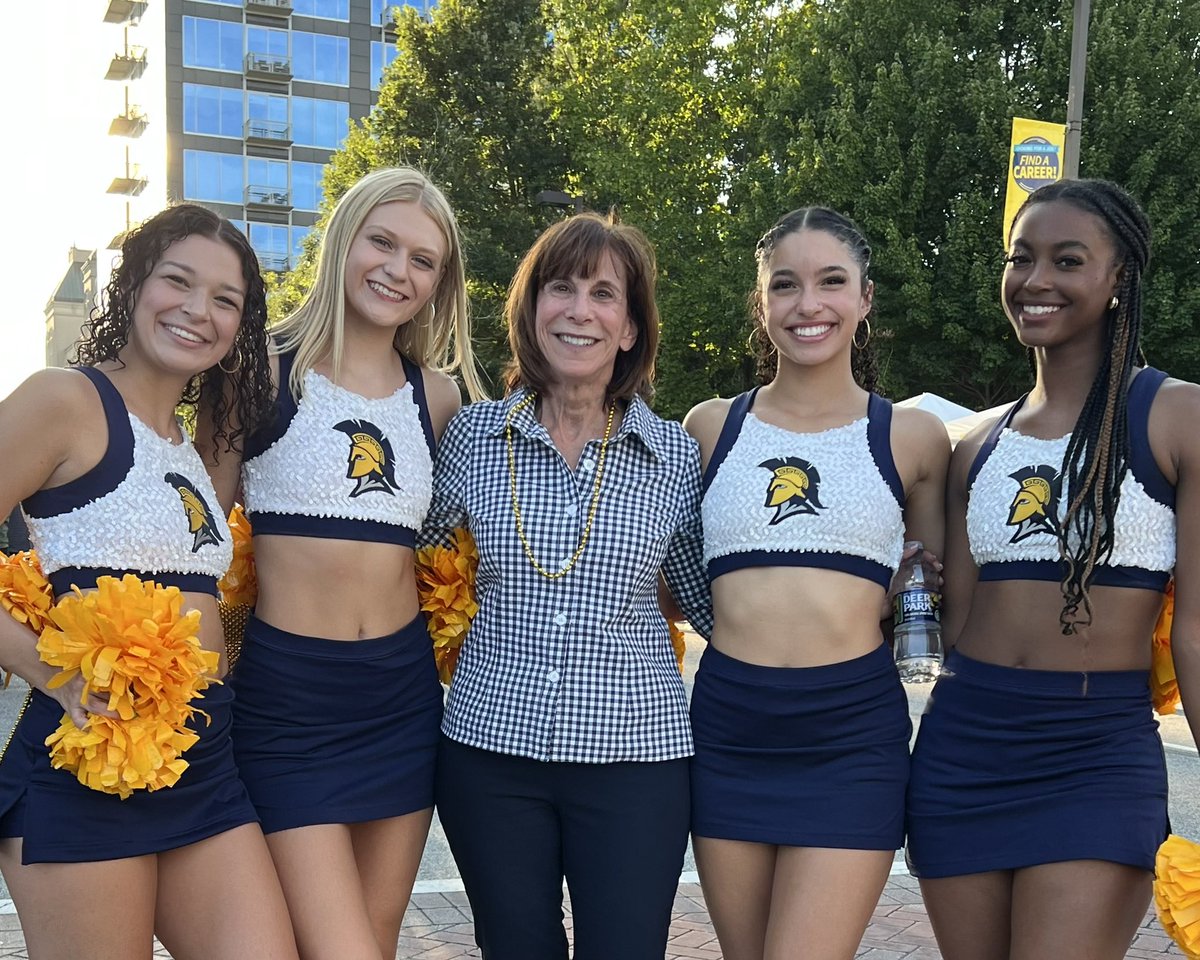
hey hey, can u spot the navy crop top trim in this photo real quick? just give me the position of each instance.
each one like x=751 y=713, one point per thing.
x=332 y=528
x=1142 y=464
x=844 y=563
x=1055 y=570
x=729 y=433
x=879 y=439
x=106 y=475
x=285 y=408
x=85 y=578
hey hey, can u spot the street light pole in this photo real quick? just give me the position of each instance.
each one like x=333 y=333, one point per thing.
x=1079 y=38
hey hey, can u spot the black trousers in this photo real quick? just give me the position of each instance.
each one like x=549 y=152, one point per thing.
x=616 y=831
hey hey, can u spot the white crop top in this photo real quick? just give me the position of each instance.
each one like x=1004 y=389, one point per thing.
x=831 y=499
x=342 y=466
x=148 y=508
x=1016 y=502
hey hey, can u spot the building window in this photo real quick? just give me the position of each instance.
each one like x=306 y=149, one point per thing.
x=320 y=58
x=213 y=44
x=306 y=185
x=225 y=3
x=212 y=176
x=270 y=242
x=381 y=55
x=325 y=9
x=381 y=12
x=266 y=106
x=298 y=235
x=265 y=40
x=319 y=123
x=267 y=173
x=215 y=111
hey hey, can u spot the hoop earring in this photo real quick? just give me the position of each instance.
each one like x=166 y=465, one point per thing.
x=1114 y=303
x=867 y=339
x=229 y=370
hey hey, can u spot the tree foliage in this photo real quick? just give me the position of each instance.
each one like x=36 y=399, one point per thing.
x=704 y=120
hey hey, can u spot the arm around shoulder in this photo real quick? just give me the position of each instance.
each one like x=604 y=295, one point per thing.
x=921 y=449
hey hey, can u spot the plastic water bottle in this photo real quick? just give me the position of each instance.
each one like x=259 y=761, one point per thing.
x=917 y=619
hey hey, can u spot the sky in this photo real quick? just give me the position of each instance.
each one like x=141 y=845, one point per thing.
x=46 y=207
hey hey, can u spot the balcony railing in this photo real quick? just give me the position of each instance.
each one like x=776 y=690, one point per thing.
x=131 y=184
x=271 y=133
x=270 y=8
x=269 y=66
x=128 y=65
x=274 y=262
x=122 y=11
x=131 y=123
x=272 y=198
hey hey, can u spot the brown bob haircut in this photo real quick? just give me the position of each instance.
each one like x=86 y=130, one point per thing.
x=570 y=248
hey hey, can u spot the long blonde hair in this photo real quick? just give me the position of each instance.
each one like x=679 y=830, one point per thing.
x=438 y=336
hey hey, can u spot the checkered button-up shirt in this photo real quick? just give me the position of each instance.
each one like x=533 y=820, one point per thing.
x=580 y=668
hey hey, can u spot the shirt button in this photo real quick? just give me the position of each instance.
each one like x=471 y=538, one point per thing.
x=564 y=563
x=553 y=676
x=560 y=619
x=585 y=464
x=570 y=510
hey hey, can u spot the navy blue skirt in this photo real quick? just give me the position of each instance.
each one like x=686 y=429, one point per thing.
x=336 y=731
x=800 y=756
x=62 y=821
x=1014 y=768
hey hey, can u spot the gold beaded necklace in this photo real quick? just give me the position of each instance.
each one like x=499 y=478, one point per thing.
x=512 y=479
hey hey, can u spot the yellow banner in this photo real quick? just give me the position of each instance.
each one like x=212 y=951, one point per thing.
x=1035 y=158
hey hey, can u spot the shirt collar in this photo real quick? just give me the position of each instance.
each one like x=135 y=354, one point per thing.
x=638 y=421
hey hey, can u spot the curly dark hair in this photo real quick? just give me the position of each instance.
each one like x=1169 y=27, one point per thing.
x=1097 y=456
x=863 y=364
x=237 y=403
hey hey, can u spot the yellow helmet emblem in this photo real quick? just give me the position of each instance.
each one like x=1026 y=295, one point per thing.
x=788 y=482
x=200 y=523
x=197 y=515
x=1031 y=500
x=366 y=455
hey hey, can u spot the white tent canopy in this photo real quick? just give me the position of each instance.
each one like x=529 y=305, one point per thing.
x=940 y=407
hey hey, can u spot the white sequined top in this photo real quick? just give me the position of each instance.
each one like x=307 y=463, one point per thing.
x=340 y=465
x=148 y=507
x=831 y=499
x=1017 y=499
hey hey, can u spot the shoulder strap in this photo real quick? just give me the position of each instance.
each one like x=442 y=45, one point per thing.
x=729 y=433
x=879 y=440
x=990 y=441
x=1142 y=392
x=284 y=409
x=412 y=371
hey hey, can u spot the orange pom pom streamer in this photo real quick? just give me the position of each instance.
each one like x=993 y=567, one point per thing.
x=678 y=641
x=240 y=584
x=134 y=648
x=446 y=588
x=1177 y=893
x=24 y=592
x=1164 y=688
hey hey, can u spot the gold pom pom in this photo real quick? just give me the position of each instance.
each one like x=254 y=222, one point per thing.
x=678 y=641
x=24 y=592
x=1164 y=688
x=240 y=583
x=446 y=588
x=133 y=647
x=1177 y=893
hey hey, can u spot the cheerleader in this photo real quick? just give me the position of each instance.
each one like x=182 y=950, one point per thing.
x=812 y=483
x=1039 y=792
x=339 y=704
x=110 y=484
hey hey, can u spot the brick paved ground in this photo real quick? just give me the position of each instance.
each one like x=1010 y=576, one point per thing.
x=438 y=927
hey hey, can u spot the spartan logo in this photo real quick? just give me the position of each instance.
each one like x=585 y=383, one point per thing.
x=369 y=463
x=1034 y=507
x=200 y=523
x=794 y=488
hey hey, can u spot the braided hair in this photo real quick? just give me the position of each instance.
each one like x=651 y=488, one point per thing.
x=1097 y=456
x=863 y=364
x=237 y=403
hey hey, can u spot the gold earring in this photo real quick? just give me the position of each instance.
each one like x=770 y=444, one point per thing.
x=1114 y=303
x=866 y=339
x=234 y=369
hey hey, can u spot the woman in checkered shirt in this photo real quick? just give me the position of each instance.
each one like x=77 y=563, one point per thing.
x=566 y=738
